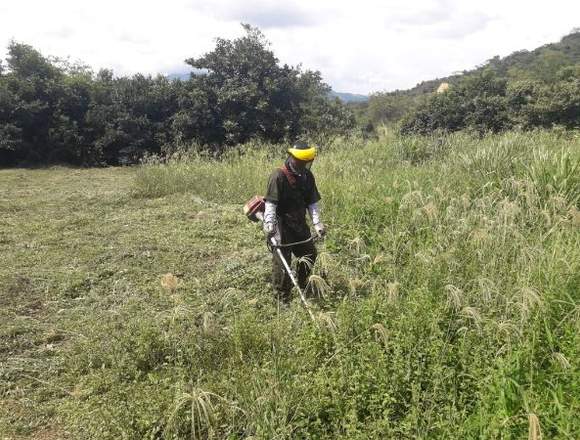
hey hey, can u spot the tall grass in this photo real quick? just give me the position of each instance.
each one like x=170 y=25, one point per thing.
x=448 y=294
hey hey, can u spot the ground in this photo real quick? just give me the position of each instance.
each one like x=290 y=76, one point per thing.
x=74 y=244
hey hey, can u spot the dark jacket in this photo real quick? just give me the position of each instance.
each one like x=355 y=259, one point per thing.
x=292 y=200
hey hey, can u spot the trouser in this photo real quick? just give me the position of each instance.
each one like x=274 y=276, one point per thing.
x=281 y=280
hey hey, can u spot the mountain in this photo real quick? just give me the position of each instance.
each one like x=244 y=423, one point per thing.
x=344 y=97
x=183 y=76
x=348 y=97
x=541 y=63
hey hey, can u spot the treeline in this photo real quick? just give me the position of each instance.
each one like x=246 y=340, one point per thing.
x=56 y=112
x=487 y=102
x=526 y=89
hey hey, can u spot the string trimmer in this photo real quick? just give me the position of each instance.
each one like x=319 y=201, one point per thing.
x=254 y=210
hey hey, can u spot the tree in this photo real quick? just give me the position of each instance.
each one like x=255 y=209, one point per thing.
x=31 y=89
x=477 y=102
x=256 y=97
x=55 y=111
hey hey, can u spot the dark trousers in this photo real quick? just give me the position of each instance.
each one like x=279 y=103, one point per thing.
x=280 y=279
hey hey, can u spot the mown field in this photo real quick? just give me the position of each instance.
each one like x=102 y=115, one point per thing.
x=447 y=299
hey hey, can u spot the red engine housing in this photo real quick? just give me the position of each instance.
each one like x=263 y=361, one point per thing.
x=254 y=208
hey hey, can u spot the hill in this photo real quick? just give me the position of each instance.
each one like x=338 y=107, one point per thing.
x=527 y=89
x=542 y=62
x=349 y=97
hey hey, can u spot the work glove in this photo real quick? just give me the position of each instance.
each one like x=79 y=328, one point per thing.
x=320 y=229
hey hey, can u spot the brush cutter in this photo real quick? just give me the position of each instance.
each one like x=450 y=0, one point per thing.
x=254 y=210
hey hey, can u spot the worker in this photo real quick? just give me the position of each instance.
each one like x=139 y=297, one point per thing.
x=291 y=193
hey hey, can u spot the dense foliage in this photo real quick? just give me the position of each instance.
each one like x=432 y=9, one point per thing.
x=486 y=102
x=526 y=89
x=51 y=111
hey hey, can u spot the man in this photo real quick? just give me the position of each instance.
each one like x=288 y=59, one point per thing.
x=291 y=192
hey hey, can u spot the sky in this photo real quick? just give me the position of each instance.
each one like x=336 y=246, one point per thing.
x=359 y=46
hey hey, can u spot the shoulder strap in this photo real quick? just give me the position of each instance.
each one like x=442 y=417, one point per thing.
x=291 y=178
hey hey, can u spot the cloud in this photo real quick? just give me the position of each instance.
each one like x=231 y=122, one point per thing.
x=126 y=37
x=419 y=12
x=279 y=17
x=445 y=19
x=360 y=47
x=265 y=14
x=461 y=26
x=62 y=32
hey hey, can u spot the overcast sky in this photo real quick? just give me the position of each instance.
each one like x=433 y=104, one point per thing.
x=360 y=46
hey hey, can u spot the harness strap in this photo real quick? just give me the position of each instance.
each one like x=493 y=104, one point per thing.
x=291 y=178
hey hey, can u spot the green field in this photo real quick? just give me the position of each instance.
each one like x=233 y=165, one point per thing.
x=448 y=297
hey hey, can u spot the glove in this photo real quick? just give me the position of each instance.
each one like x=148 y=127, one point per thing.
x=320 y=229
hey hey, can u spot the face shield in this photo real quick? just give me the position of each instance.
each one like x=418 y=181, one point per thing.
x=300 y=165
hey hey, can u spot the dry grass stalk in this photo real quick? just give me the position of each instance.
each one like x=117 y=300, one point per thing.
x=306 y=261
x=393 y=291
x=561 y=359
x=355 y=284
x=380 y=333
x=454 y=297
x=530 y=300
x=169 y=282
x=574 y=216
x=201 y=409
x=473 y=314
x=534 y=429
x=431 y=211
x=328 y=321
x=357 y=246
x=487 y=289
x=208 y=323
x=318 y=286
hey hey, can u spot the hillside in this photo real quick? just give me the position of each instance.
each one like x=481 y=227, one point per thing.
x=545 y=58
x=135 y=303
x=349 y=97
x=525 y=90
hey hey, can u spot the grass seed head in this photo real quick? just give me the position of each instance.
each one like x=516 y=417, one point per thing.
x=530 y=300
x=454 y=297
x=393 y=291
x=318 y=286
x=198 y=403
x=357 y=246
x=430 y=210
x=561 y=360
x=380 y=333
x=327 y=320
x=574 y=214
x=473 y=314
x=355 y=284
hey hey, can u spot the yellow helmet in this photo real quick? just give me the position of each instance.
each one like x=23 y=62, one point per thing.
x=302 y=151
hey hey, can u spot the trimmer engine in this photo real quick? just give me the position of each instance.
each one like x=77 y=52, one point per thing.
x=254 y=208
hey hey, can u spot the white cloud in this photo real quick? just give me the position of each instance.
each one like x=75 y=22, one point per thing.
x=266 y=14
x=361 y=46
